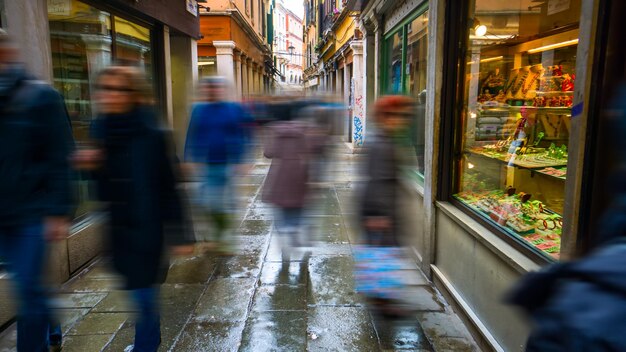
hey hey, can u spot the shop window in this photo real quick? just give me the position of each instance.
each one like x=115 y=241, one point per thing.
x=207 y=66
x=84 y=40
x=405 y=67
x=132 y=45
x=518 y=95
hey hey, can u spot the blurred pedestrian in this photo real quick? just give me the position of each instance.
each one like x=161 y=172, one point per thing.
x=136 y=180
x=379 y=201
x=217 y=137
x=36 y=200
x=290 y=146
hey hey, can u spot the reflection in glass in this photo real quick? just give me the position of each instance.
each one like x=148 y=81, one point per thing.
x=416 y=57
x=394 y=63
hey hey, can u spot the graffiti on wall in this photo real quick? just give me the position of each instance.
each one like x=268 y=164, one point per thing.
x=358 y=131
x=358 y=121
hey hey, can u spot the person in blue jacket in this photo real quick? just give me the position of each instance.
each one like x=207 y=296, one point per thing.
x=36 y=197
x=216 y=143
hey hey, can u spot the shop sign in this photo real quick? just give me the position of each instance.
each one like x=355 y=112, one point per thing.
x=60 y=7
x=192 y=7
x=556 y=6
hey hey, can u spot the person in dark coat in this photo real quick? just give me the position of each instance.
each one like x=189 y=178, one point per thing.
x=36 y=198
x=287 y=185
x=136 y=181
x=379 y=198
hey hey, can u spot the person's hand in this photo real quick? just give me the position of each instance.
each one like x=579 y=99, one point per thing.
x=188 y=169
x=378 y=223
x=183 y=250
x=56 y=228
x=87 y=159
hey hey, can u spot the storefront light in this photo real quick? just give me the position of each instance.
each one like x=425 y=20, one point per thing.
x=553 y=46
x=491 y=59
x=479 y=29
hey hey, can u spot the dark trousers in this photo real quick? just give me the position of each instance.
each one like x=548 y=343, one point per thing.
x=24 y=247
x=148 y=326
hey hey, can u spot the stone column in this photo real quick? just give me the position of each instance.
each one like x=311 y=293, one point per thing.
x=27 y=22
x=98 y=50
x=250 y=77
x=244 y=76
x=338 y=82
x=237 y=62
x=225 y=63
x=358 y=112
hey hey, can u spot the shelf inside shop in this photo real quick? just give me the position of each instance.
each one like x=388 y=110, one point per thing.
x=522 y=163
x=550 y=173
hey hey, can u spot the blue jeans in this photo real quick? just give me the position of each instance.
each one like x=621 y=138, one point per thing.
x=148 y=326
x=216 y=193
x=24 y=249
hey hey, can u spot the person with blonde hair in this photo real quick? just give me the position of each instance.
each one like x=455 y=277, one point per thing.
x=136 y=180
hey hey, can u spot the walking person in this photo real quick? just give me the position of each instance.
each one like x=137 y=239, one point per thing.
x=378 y=260
x=36 y=200
x=290 y=147
x=136 y=180
x=216 y=142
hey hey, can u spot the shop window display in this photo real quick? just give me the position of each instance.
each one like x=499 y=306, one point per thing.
x=519 y=85
x=84 y=40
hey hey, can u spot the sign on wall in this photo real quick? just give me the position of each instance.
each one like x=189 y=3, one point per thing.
x=556 y=6
x=192 y=7
x=60 y=7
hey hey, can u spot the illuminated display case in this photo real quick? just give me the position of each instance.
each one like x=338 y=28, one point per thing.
x=516 y=118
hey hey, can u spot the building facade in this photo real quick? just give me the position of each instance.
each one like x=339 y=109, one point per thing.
x=505 y=177
x=235 y=44
x=310 y=39
x=69 y=42
x=288 y=47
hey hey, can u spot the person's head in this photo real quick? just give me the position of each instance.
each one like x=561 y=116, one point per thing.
x=213 y=89
x=393 y=112
x=120 y=89
x=8 y=49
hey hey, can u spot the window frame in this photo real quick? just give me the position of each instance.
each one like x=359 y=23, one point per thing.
x=402 y=26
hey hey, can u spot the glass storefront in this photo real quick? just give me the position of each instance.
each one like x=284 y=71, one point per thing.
x=84 y=40
x=207 y=66
x=405 y=66
x=519 y=84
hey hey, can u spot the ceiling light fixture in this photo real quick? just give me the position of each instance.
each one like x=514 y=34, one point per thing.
x=553 y=46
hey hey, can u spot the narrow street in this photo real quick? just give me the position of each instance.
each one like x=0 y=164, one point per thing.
x=255 y=301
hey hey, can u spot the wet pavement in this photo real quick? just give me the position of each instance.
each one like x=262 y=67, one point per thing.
x=258 y=300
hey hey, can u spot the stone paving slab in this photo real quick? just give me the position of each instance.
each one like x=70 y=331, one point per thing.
x=285 y=273
x=225 y=300
x=78 y=300
x=196 y=269
x=355 y=331
x=332 y=281
x=205 y=336
x=275 y=331
x=86 y=343
x=280 y=298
